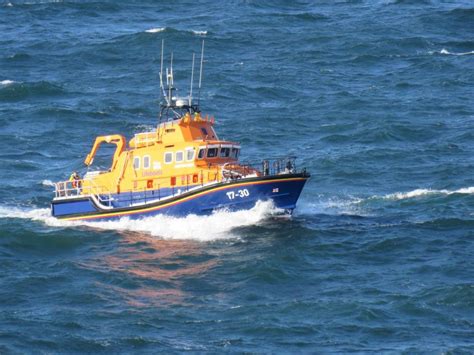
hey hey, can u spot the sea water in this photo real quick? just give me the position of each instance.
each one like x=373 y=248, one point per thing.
x=375 y=98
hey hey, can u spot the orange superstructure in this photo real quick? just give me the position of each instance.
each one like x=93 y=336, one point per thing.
x=181 y=152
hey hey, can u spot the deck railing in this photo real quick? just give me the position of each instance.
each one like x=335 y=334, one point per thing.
x=72 y=188
x=267 y=167
x=146 y=138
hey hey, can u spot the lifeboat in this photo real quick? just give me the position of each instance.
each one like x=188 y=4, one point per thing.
x=179 y=168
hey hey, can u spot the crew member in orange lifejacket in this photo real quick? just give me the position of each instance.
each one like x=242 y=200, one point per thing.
x=75 y=180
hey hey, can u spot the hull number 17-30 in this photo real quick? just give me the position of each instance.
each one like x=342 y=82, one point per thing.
x=239 y=193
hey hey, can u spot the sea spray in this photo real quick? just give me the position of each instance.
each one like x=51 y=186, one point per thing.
x=218 y=225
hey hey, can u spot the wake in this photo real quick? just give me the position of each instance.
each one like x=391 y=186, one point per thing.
x=366 y=207
x=218 y=225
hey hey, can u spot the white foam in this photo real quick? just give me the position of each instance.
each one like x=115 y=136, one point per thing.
x=446 y=52
x=156 y=30
x=425 y=192
x=219 y=225
x=199 y=33
x=47 y=183
x=332 y=206
x=7 y=82
x=37 y=214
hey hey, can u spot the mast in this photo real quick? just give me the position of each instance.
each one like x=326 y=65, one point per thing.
x=170 y=80
x=200 y=72
x=190 y=102
x=174 y=107
x=162 y=88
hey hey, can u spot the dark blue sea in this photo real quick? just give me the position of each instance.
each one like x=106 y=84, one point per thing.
x=375 y=98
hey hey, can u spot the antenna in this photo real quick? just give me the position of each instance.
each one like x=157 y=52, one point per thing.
x=161 y=70
x=192 y=79
x=170 y=80
x=200 y=72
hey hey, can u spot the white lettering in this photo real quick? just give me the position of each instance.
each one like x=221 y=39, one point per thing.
x=240 y=193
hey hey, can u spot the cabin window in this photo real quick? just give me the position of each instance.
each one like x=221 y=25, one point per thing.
x=179 y=157
x=146 y=162
x=212 y=152
x=189 y=154
x=202 y=151
x=225 y=152
x=168 y=157
x=235 y=153
x=204 y=132
x=136 y=163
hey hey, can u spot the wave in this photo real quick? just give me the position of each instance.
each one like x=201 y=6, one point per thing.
x=155 y=30
x=199 y=33
x=47 y=183
x=12 y=90
x=18 y=57
x=218 y=225
x=7 y=82
x=144 y=37
x=409 y=2
x=305 y=16
x=170 y=29
x=360 y=206
x=424 y=192
x=446 y=52
x=332 y=206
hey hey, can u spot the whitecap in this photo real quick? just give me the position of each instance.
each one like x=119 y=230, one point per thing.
x=348 y=205
x=47 y=183
x=7 y=82
x=446 y=52
x=156 y=30
x=218 y=225
x=199 y=33
x=425 y=192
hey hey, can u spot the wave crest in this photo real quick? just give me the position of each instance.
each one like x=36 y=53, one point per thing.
x=7 y=82
x=425 y=192
x=155 y=30
x=13 y=91
x=446 y=52
x=170 y=29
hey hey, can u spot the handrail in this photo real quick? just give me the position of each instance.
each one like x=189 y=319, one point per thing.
x=84 y=187
x=146 y=137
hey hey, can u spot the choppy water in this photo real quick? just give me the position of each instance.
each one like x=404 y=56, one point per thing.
x=375 y=97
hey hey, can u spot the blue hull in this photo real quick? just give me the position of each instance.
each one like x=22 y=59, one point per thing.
x=283 y=190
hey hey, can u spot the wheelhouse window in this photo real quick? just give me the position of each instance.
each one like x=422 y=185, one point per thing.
x=146 y=162
x=225 y=152
x=212 y=152
x=136 y=163
x=168 y=157
x=179 y=157
x=235 y=153
x=202 y=152
x=189 y=154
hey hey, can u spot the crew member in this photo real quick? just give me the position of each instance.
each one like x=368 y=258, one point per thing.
x=75 y=180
